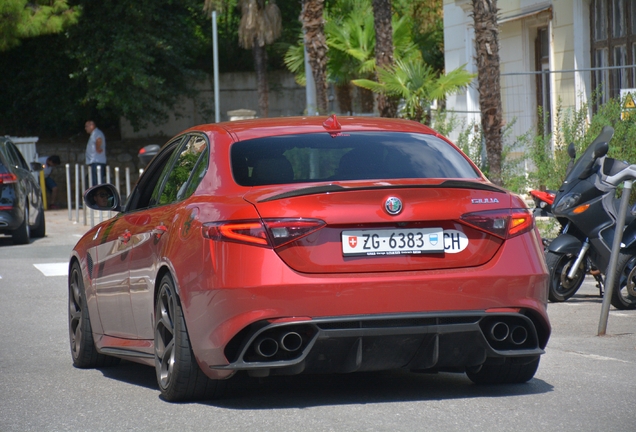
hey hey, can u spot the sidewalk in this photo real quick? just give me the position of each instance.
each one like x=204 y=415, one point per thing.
x=57 y=221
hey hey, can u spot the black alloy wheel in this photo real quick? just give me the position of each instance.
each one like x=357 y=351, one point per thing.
x=83 y=349
x=178 y=374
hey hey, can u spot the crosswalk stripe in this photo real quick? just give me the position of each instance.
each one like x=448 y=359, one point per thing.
x=53 y=269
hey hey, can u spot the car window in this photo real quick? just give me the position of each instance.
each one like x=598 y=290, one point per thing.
x=197 y=174
x=19 y=158
x=146 y=192
x=350 y=156
x=175 y=179
x=12 y=155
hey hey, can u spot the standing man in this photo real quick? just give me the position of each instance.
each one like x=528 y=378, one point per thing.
x=95 y=151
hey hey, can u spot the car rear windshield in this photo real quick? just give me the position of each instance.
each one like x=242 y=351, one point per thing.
x=347 y=156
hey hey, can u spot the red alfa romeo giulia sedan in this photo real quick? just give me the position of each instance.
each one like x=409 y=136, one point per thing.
x=309 y=245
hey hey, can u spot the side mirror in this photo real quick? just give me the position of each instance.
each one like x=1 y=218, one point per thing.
x=572 y=151
x=103 y=197
x=601 y=150
x=36 y=166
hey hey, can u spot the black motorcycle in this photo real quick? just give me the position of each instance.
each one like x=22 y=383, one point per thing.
x=586 y=204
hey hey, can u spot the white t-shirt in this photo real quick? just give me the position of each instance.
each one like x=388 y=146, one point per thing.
x=91 y=151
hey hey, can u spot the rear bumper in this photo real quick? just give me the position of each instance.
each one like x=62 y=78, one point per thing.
x=427 y=341
x=10 y=219
x=228 y=306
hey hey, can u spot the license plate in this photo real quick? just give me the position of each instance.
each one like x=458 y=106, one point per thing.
x=392 y=241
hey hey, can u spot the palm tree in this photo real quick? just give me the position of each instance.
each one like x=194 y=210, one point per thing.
x=487 y=58
x=351 y=40
x=316 y=46
x=417 y=84
x=384 y=52
x=260 y=25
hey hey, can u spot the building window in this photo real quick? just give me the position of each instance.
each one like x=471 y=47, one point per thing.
x=613 y=24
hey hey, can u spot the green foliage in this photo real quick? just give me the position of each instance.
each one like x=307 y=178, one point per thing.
x=23 y=19
x=417 y=84
x=122 y=58
x=548 y=152
x=470 y=141
x=137 y=58
x=350 y=34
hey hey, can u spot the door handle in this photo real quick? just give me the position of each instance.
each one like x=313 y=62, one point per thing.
x=125 y=237
x=159 y=231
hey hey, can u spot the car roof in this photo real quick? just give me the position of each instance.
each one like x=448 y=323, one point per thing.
x=257 y=128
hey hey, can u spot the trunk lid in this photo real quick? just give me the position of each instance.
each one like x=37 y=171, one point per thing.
x=355 y=212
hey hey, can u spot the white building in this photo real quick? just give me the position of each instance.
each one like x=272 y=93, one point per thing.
x=550 y=51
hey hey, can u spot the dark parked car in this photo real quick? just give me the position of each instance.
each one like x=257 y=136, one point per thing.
x=21 y=205
x=309 y=245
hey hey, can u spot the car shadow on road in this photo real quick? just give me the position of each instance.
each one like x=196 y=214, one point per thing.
x=301 y=391
x=132 y=373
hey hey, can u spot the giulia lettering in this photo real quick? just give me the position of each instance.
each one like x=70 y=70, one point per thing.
x=484 y=201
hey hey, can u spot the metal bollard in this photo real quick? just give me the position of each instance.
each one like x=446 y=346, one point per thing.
x=77 y=193
x=68 y=191
x=83 y=189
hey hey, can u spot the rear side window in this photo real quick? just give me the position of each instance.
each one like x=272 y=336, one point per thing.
x=350 y=156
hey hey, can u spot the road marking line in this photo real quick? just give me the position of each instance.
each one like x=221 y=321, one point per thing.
x=598 y=357
x=53 y=269
x=623 y=314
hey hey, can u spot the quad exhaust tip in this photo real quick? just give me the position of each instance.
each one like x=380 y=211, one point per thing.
x=291 y=341
x=500 y=332
x=267 y=347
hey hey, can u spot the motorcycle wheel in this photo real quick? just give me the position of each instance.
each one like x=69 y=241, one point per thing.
x=624 y=291
x=562 y=288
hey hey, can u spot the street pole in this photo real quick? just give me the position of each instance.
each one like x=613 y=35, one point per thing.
x=215 y=44
x=616 y=248
x=310 y=88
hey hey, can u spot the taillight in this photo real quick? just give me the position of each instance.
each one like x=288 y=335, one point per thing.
x=7 y=178
x=267 y=233
x=250 y=232
x=283 y=231
x=503 y=223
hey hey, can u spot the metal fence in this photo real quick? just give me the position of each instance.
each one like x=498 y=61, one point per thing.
x=530 y=99
x=82 y=180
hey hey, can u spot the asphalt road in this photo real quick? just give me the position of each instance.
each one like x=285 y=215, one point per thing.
x=584 y=382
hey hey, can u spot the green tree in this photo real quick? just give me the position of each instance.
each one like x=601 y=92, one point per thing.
x=417 y=84
x=137 y=58
x=24 y=19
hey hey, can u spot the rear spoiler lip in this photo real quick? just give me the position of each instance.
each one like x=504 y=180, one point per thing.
x=328 y=188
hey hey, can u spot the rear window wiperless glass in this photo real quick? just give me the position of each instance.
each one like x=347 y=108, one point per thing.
x=347 y=156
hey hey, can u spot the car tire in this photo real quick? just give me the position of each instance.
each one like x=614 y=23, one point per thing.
x=22 y=234
x=178 y=374
x=562 y=288
x=512 y=371
x=624 y=291
x=40 y=228
x=83 y=349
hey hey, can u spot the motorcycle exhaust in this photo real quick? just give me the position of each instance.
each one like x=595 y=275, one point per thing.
x=266 y=347
x=290 y=341
x=499 y=331
x=518 y=335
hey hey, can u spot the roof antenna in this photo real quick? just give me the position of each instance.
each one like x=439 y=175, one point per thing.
x=332 y=124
